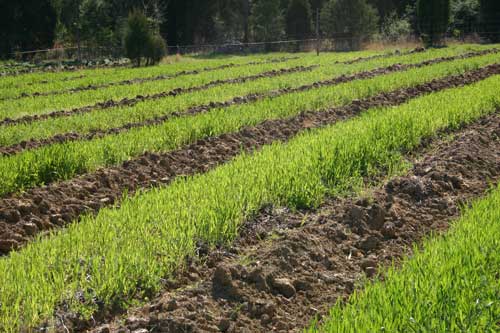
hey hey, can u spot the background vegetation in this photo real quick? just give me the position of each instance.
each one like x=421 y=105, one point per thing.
x=29 y=24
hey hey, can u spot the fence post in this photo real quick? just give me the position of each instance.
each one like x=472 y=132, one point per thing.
x=317 y=31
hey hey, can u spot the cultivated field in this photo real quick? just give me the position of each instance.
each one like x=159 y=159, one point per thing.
x=266 y=193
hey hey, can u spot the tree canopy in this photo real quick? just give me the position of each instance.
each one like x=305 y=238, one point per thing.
x=30 y=24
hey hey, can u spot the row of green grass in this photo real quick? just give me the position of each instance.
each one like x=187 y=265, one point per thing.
x=44 y=104
x=123 y=253
x=13 y=108
x=86 y=76
x=450 y=284
x=118 y=116
x=124 y=74
x=63 y=161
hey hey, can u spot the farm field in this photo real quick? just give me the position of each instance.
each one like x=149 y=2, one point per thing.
x=266 y=193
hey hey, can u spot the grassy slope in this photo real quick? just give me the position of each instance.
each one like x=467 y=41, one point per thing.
x=121 y=252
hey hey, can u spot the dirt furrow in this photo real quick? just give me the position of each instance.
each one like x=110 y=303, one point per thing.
x=44 y=208
x=290 y=267
x=99 y=133
x=150 y=79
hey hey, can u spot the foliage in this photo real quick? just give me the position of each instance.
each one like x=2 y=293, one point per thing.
x=137 y=36
x=464 y=16
x=232 y=20
x=298 y=19
x=190 y=21
x=266 y=21
x=490 y=22
x=433 y=18
x=156 y=49
x=140 y=41
x=395 y=28
x=26 y=25
x=385 y=8
x=354 y=20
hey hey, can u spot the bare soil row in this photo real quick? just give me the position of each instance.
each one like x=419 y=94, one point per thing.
x=99 y=133
x=44 y=208
x=290 y=267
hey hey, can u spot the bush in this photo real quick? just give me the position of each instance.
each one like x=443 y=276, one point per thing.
x=395 y=29
x=156 y=49
x=140 y=41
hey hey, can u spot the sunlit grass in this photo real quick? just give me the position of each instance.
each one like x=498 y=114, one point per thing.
x=123 y=253
x=63 y=161
x=118 y=116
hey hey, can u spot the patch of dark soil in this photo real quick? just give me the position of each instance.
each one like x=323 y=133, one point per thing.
x=289 y=267
x=67 y=137
x=44 y=208
x=135 y=100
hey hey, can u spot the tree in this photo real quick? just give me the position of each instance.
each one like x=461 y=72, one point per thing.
x=490 y=19
x=352 y=21
x=137 y=36
x=26 y=25
x=464 y=16
x=298 y=19
x=267 y=21
x=231 y=20
x=386 y=8
x=190 y=21
x=433 y=18
x=395 y=28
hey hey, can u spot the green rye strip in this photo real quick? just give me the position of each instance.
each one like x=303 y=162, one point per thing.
x=43 y=105
x=123 y=253
x=64 y=161
x=118 y=116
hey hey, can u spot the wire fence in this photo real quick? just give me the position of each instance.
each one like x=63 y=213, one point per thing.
x=339 y=42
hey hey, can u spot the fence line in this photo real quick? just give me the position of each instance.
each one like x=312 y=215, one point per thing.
x=340 y=42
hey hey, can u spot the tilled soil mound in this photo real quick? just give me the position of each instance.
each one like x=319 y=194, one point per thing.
x=289 y=267
x=237 y=100
x=44 y=208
